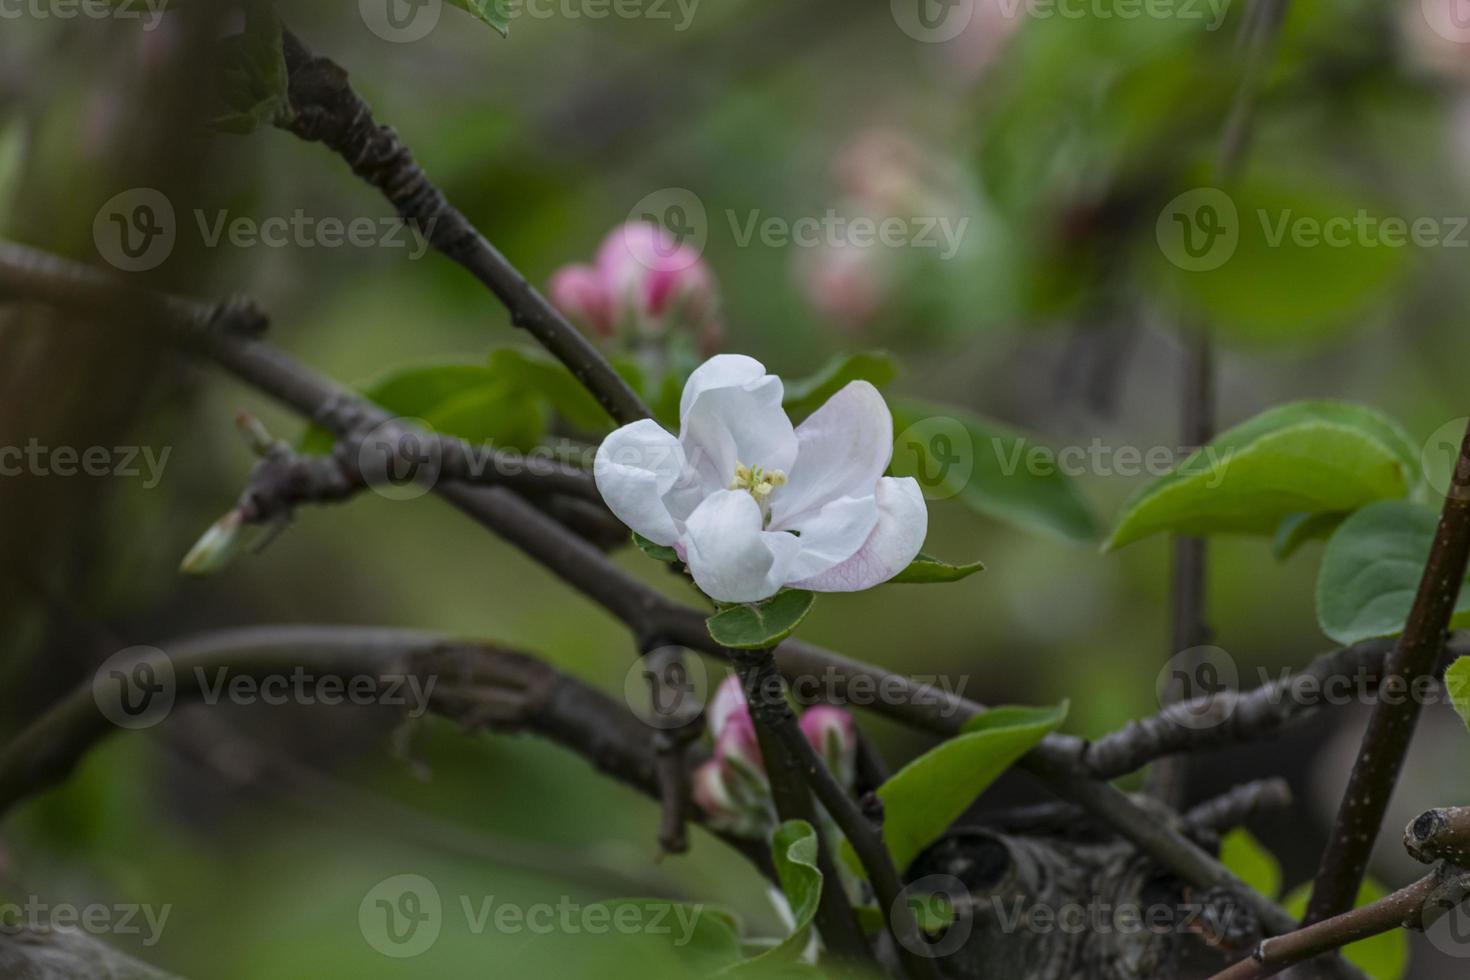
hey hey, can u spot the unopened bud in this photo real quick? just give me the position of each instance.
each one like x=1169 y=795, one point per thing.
x=832 y=732
x=216 y=548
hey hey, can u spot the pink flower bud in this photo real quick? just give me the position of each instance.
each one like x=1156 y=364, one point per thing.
x=848 y=284
x=580 y=292
x=833 y=734
x=748 y=817
x=656 y=282
x=738 y=746
x=728 y=700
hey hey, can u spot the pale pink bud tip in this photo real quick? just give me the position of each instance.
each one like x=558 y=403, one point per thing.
x=580 y=293
x=832 y=732
x=727 y=701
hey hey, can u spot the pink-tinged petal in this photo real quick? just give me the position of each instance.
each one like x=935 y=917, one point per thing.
x=710 y=792
x=634 y=467
x=580 y=292
x=744 y=424
x=903 y=521
x=833 y=534
x=731 y=556
x=738 y=744
x=728 y=700
x=720 y=371
x=841 y=450
x=832 y=732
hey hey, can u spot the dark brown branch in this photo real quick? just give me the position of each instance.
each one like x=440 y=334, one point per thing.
x=25 y=274
x=1391 y=726
x=1231 y=717
x=326 y=109
x=1406 y=908
x=1240 y=804
x=796 y=759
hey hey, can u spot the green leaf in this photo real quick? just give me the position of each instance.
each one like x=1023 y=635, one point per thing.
x=13 y=149
x=1371 y=570
x=757 y=625
x=1382 y=957
x=252 y=82
x=1306 y=457
x=808 y=394
x=1457 y=683
x=988 y=467
x=551 y=380
x=923 y=798
x=927 y=568
x=1251 y=862
x=470 y=401
x=661 y=552
x=1296 y=530
x=491 y=12
x=794 y=848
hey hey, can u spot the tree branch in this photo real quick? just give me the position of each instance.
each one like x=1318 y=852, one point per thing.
x=1391 y=726
x=1440 y=835
x=326 y=109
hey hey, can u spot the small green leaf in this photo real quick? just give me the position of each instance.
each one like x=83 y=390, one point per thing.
x=1251 y=862
x=642 y=937
x=1371 y=570
x=1296 y=530
x=927 y=568
x=1457 y=683
x=470 y=401
x=1384 y=956
x=992 y=469
x=923 y=798
x=757 y=625
x=253 y=79
x=808 y=394
x=1306 y=457
x=551 y=380
x=492 y=12
x=659 y=551
x=794 y=848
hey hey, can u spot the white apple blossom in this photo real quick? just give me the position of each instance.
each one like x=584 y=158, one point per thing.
x=752 y=504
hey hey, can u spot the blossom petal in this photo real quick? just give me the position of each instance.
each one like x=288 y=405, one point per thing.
x=738 y=424
x=730 y=555
x=729 y=699
x=833 y=534
x=841 y=450
x=635 y=466
x=903 y=521
x=720 y=371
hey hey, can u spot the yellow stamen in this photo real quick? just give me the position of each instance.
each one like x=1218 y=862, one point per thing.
x=757 y=481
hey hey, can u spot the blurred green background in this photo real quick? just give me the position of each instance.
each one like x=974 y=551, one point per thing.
x=1062 y=138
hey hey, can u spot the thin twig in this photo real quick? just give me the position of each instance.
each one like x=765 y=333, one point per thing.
x=325 y=108
x=1391 y=725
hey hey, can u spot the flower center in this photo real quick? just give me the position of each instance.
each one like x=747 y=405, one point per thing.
x=757 y=481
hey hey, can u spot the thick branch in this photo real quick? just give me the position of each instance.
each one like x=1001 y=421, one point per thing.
x=1391 y=726
x=1440 y=835
x=326 y=109
x=1405 y=908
